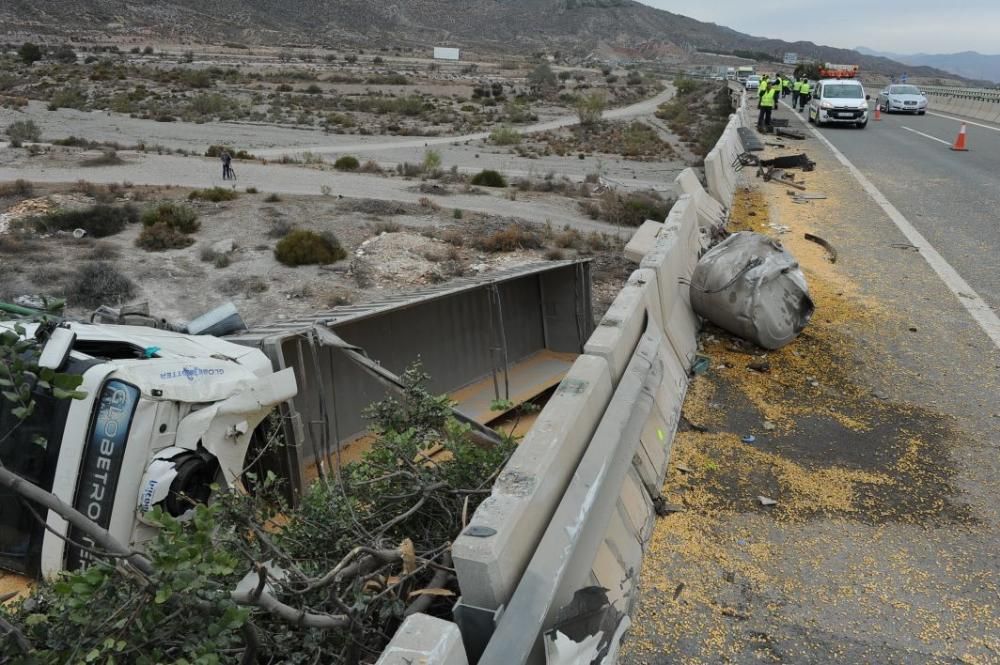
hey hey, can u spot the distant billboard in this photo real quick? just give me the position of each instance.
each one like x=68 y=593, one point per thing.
x=441 y=53
x=791 y=59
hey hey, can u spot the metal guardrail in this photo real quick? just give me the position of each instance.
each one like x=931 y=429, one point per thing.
x=969 y=94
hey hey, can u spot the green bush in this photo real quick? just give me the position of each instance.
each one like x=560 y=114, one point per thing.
x=178 y=217
x=21 y=131
x=213 y=194
x=68 y=98
x=216 y=150
x=29 y=53
x=489 y=178
x=301 y=247
x=347 y=163
x=505 y=136
x=161 y=236
x=99 y=283
x=98 y=221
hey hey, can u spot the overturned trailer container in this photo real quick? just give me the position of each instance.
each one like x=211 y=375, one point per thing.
x=509 y=335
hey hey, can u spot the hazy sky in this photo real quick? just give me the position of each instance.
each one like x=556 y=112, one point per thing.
x=915 y=26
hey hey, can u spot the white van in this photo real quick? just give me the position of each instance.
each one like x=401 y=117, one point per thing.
x=839 y=101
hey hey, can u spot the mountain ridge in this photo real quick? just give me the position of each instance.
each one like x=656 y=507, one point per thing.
x=967 y=64
x=577 y=25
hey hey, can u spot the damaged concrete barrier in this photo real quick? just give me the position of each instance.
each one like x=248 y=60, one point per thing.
x=425 y=639
x=711 y=214
x=642 y=240
x=580 y=586
x=673 y=259
x=492 y=552
x=751 y=286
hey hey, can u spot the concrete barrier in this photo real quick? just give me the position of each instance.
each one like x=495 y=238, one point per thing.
x=673 y=259
x=642 y=240
x=556 y=548
x=711 y=214
x=617 y=334
x=593 y=546
x=424 y=639
x=530 y=487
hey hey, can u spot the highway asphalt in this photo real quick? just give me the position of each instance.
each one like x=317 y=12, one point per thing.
x=952 y=198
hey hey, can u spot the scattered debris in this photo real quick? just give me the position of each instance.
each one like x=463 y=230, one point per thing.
x=683 y=468
x=749 y=438
x=765 y=501
x=762 y=367
x=679 y=590
x=905 y=245
x=799 y=161
x=701 y=365
x=752 y=287
x=790 y=133
x=881 y=394
x=769 y=426
x=823 y=243
x=663 y=508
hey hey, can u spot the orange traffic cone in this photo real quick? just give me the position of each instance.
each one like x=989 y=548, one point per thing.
x=878 y=111
x=960 y=140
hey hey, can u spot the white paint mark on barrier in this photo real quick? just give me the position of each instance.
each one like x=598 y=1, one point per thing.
x=927 y=136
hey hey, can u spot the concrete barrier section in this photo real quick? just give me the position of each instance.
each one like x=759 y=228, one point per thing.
x=596 y=536
x=617 y=334
x=426 y=640
x=491 y=554
x=643 y=240
x=711 y=213
x=672 y=260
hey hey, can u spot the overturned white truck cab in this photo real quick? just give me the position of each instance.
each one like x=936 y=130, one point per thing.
x=165 y=416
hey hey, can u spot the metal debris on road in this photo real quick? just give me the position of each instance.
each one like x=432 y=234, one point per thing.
x=749 y=438
x=765 y=501
x=824 y=244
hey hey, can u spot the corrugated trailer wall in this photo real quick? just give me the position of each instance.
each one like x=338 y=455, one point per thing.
x=462 y=333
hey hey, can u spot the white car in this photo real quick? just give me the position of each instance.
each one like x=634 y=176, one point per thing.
x=752 y=82
x=839 y=102
x=903 y=98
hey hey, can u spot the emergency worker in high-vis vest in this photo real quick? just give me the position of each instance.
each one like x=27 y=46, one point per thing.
x=766 y=106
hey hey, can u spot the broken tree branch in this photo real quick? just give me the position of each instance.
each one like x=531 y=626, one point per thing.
x=101 y=536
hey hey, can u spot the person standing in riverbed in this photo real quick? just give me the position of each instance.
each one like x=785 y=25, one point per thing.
x=227 y=169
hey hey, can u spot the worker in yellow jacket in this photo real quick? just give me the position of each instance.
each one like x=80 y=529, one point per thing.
x=767 y=103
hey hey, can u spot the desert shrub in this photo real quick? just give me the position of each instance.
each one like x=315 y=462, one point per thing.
x=456 y=213
x=347 y=163
x=302 y=247
x=386 y=226
x=505 y=136
x=453 y=237
x=64 y=54
x=29 y=53
x=252 y=190
x=272 y=198
x=181 y=218
x=98 y=221
x=425 y=202
x=21 y=131
x=216 y=150
x=555 y=255
x=590 y=108
x=408 y=170
x=567 y=239
x=213 y=194
x=630 y=209
x=19 y=188
x=510 y=239
x=280 y=227
x=107 y=158
x=99 y=283
x=68 y=98
x=432 y=160
x=103 y=251
x=246 y=285
x=161 y=236
x=489 y=178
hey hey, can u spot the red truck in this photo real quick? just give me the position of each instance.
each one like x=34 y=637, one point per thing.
x=830 y=70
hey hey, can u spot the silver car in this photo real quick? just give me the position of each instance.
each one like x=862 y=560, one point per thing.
x=903 y=98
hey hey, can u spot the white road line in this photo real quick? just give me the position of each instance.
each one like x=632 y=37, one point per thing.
x=927 y=136
x=972 y=301
x=968 y=122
